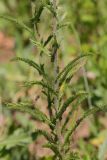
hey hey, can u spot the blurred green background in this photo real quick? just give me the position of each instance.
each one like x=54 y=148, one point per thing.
x=90 y=20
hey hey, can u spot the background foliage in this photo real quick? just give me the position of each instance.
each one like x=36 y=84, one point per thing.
x=89 y=18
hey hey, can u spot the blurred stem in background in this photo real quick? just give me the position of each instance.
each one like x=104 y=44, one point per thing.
x=1 y=109
x=86 y=84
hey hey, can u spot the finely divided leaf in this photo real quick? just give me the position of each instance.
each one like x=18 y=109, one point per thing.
x=90 y=111
x=18 y=22
x=48 y=40
x=44 y=133
x=67 y=103
x=34 y=112
x=79 y=100
x=41 y=83
x=40 y=46
x=37 y=15
x=71 y=68
x=54 y=148
x=30 y=63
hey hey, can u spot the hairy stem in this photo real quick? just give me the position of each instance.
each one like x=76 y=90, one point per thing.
x=55 y=58
x=33 y=11
x=56 y=71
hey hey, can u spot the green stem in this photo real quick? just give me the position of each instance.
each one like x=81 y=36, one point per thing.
x=56 y=71
x=83 y=68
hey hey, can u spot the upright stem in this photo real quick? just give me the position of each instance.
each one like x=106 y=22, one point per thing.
x=33 y=11
x=56 y=71
x=55 y=57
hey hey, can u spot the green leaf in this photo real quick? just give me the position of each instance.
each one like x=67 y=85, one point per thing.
x=71 y=68
x=79 y=100
x=37 y=14
x=33 y=111
x=67 y=103
x=39 y=132
x=48 y=40
x=17 y=22
x=54 y=148
x=72 y=156
x=90 y=111
x=40 y=46
x=17 y=138
x=41 y=83
x=49 y=6
x=30 y=63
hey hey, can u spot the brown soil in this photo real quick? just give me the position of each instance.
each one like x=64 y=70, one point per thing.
x=6 y=47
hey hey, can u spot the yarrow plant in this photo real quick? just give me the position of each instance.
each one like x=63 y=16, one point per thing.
x=60 y=133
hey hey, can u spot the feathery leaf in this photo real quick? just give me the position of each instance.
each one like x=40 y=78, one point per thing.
x=93 y=110
x=40 y=46
x=37 y=14
x=30 y=63
x=41 y=83
x=16 y=21
x=79 y=100
x=48 y=40
x=67 y=103
x=72 y=67
x=26 y=107
x=54 y=148
x=44 y=133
